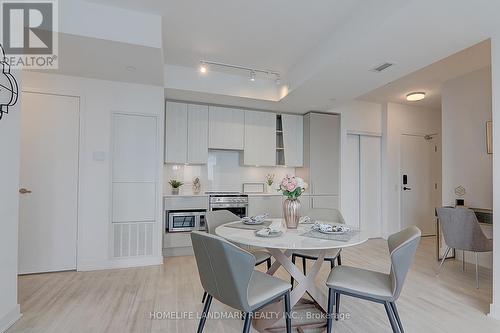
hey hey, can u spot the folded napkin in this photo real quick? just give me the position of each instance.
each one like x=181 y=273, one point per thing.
x=256 y=218
x=325 y=227
x=305 y=220
x=275 y=227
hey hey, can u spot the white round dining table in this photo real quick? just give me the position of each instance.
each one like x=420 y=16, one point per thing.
x=282 y=247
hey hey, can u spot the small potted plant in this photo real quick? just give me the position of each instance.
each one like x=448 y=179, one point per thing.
x=175 y=185
x=292 y=187
x=269 y=182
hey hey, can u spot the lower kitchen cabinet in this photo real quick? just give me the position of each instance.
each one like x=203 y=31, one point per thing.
x=325 y=201
x=271 y=204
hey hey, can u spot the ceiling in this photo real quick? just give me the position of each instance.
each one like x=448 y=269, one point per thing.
x=431 y=78
x=325 y=50
x=114 y=60
x=260 y=33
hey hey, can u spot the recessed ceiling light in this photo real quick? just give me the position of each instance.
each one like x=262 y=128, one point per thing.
x=252 y=76
x=131 y=68
x=415 y=96
x=203 y=68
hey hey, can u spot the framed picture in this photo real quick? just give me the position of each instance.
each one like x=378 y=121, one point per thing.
x=489 y=137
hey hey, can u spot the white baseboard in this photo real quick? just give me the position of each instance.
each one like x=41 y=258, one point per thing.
x=10 y=318
x=494 y=311
x=120 y=263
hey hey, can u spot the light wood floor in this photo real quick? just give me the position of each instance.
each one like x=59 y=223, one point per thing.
x=121 y=300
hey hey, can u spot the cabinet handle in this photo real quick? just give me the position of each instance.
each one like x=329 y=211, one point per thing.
x=24 y=191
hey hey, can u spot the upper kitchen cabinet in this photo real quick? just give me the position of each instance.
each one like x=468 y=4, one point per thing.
x=293 y=139
x=197 y=138
x=260 y=138
x=186 y=133
x=226 y=128
x=321 y=153
x=176 y=127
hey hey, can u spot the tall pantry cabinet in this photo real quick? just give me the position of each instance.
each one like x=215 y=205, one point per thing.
x=322 y=159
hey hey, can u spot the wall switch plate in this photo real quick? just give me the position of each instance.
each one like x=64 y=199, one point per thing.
x=99 y=155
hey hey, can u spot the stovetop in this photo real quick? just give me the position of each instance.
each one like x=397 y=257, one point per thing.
x=225 y=194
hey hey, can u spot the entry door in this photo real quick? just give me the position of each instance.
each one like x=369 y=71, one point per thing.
x=49 y=183
x=361 y=197
x=418 y=188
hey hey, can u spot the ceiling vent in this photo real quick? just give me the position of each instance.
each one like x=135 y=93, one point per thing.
x=382 y=67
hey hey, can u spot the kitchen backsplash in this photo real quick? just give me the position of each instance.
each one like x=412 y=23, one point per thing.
x=223 y=172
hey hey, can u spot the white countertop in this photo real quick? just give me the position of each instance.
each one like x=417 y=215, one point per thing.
x=291 y=239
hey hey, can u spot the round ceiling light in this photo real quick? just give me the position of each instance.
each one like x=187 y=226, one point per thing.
x=203 y=68
x=415 y=96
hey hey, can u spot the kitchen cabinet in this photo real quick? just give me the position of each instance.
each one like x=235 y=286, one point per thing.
x=197 y=135
x=260 y=204
x=186 y=133
x=293 y=139
x=321 y=154
x=176 y=127
x=325 y=201
x=226 y=128
x=260 y=138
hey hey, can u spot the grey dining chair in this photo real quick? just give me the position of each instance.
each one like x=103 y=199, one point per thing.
x=376 y=286
x=326 y=215
x=227 y=274
x=216 y=218
x=461 y=231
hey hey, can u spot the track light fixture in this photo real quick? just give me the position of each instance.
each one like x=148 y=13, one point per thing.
x=253 y=71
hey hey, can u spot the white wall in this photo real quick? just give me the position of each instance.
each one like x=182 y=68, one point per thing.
x=98 y=99
x=400 y=119
x=466 y=106
x=495 y=85
x=9 y=201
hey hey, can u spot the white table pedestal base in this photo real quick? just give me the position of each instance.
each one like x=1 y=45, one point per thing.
x=305 y=284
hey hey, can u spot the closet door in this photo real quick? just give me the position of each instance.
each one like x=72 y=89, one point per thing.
x=350 y=196
x=370 y=185
x=362 y=191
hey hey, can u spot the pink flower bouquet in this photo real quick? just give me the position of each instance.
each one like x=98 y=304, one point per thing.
x=292 y=186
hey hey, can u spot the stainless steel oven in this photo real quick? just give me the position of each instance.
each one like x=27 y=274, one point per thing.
x=188 y=220
x=236 y=203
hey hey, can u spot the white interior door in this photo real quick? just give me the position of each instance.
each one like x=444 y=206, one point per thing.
x=361 y=199
x=370 y=185
x=49 y=183
x=417 y=189
x=350 y=195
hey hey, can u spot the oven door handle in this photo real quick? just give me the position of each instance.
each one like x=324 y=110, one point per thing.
x=228 y=206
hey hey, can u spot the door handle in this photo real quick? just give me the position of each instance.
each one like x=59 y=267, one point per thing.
x=24 y=191
x=406 y=188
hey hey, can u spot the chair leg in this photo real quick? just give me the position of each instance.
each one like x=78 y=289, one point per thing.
x=304 y=265
x=463 y=261
x=291 y=277
x=444 y=258
x=390 y=315
x=398 y=319
x=329 y=315
x=248 y=321
x=204 y=297
x=203 y=318
x=337 y=306
x=477 y=270
x=288 y=313
x=268 y=261
x=339 y=260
